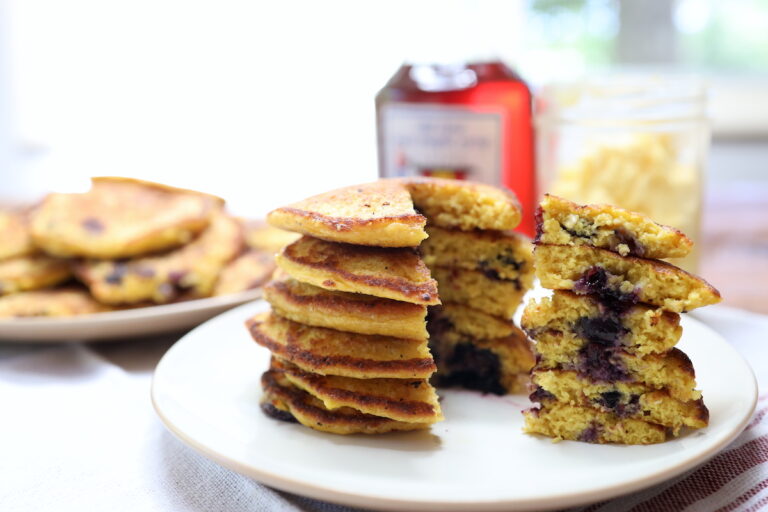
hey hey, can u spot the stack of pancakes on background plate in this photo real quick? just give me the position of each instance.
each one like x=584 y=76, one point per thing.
x=347 y=329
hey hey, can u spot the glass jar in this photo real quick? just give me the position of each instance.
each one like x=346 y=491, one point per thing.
x=637 y=142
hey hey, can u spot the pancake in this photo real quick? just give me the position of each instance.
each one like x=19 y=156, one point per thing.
x=625 y=399
x=621 y=280
x=377 y=214
x=672 y=370
x=330 y=352
x=561 y=222
x=14 y=232
x=579 y=423
x=498 y=297
x=408 y=400
x=190 y=271
x=263 y=237
x=351 y=312
x=470 y=321
x=392 y=273
x=498 y=254
x=32 y=273
x=284 y=401
x=464 y=204
x=579 y=319
x=494 y=365
x=60 y=302
x=120 y=218
x=250 y=270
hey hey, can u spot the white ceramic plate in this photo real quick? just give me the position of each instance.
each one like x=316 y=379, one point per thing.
x=129 y=323
x=206 y=390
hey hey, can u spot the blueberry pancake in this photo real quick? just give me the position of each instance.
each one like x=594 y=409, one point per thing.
x=14 y=232
x=378 y=214
x=250 y=270
x=392 y=273
x=561 y=222
x=59 y=302
x=576 y=320
x=471 y=321
x=331 y=352
x=120 y=218
x=408 y=400
x=189 y=272
x=345 y=311
x=498 y=254
x=284 y=401
x=24 y=273
x=619 y=280
x=495 y=296
x=625 y=399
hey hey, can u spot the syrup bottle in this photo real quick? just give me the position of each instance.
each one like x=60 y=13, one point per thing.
x=466 y=120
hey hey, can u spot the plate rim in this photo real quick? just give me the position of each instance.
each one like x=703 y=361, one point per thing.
x=378 y=502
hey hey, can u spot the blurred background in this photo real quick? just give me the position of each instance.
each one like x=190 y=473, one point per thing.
x=266 y=103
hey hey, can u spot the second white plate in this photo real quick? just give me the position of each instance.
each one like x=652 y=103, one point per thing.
x=206 y=390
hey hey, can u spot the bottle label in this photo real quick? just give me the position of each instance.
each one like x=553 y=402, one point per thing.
x=440 y=140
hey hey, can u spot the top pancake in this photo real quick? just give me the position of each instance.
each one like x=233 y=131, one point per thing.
x=383 y=213
x=378 y=214
x=120 y=218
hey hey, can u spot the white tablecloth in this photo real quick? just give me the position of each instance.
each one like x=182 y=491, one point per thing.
x=77 y=432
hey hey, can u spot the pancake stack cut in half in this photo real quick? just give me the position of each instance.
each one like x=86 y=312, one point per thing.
x=607 y=368
x=348 y=329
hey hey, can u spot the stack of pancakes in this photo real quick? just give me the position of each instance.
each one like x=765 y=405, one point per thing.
x=130 y=243
x=348 y=330
x=607 y=367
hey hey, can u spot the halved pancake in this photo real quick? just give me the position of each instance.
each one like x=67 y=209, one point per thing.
x=464 y=204
x=494 y=365
x=471 y=321
x=672 y=371
x=284 y=401
x=621 y=280
x=32 y=272
x=345 y=311
x=579 y=423
x=378 y=214
x=562 y=222
x=498 y=254
x=625 y=399
x=120 y=218
x=330 y=352
x=393 y=273
x=408 y=400
x=190 y=271
x=14 y=232
x=639 y=329
x=499 y=297
x=250 y=270
x=263 y=237
x=60 y=302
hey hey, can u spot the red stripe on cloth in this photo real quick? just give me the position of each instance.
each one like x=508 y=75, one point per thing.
x=757 y=418
x=710 y=477
x=744 y=497
x=758 y=505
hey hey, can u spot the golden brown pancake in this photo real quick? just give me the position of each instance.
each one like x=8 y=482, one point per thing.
x=498 y=297
x=464 y=204
x=408 y=400
x=392 y=273
x=190 y=271
x=120 y=218
x=471 y=321
x=15 y=236
x=60 y=302
x=32 y=272
x=250 y=270
x=379 y=214
x=330 y=352
x=585 y=269
x=284 y=401
x=345 y=311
